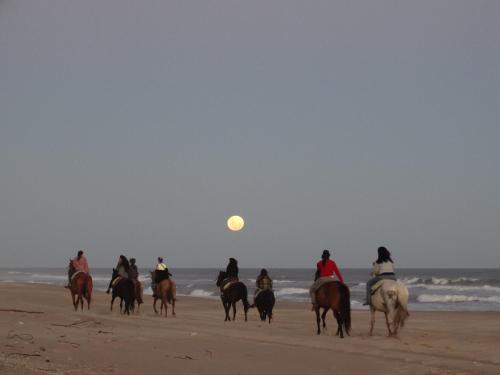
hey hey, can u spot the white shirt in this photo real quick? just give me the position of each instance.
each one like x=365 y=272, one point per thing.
x=385 y=267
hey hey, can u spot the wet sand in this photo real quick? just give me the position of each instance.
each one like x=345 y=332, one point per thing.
x=45 y=336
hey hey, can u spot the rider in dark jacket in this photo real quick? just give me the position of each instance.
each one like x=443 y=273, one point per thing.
x=232 y=269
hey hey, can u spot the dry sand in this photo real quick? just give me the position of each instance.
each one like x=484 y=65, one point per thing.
x=197 y=341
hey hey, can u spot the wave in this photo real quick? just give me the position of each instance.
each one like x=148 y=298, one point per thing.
x=430 y=298
x=290 y=291
x=438 y=280
x=49 y=277
x=201 y=293
x=457 y=288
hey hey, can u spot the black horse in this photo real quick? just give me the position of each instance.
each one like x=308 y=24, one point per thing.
x=232 y=294
x=264 y=302
x=125 y=290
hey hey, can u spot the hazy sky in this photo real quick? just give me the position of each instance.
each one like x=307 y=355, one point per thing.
x=138 y=127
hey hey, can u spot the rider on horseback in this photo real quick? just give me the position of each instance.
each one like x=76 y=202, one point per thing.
x=79 y=264
x=134 y=276
x=263 y=282
x=231 y=273
x=160 y=273
x=383 y=268
x=326 y=269
x=123 y=269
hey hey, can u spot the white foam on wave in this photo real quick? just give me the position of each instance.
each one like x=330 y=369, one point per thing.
x=430 y=298
x=290 y=291
x=283 y=281
x=201 y=293
x=412 y=280
x=457 y=288
x=49 y=277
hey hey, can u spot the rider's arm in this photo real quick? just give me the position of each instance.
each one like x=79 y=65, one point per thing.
x=337 y=272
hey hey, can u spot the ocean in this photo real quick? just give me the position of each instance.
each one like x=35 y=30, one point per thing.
x=430 y=289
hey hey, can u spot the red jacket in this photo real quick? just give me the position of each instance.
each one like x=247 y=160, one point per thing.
x=329 y=269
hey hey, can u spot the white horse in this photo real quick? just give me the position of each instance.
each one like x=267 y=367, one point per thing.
x=391 y=298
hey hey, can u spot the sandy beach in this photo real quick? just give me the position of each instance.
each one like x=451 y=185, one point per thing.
x=41 y=334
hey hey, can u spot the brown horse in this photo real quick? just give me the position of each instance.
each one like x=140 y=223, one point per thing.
x=165 y=292
x=336 y=296
x=232 y=294
x=81 y=286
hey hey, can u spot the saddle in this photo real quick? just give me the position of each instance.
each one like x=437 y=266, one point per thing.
x=76 y=273
x=324 y=281
x=116 y=280
x=226 y=283
x=376 y=286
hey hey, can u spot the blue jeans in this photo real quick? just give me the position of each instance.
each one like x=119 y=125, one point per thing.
x=375 y=280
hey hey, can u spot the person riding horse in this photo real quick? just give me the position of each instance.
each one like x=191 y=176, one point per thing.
x=123 y=269
x=383 y=269
x=134 y=276
x=263 y=282
x=231 y=275
x=160 y=273
x=325 y=271
x=79 y=263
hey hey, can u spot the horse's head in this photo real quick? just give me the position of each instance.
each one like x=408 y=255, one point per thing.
x=222 y=276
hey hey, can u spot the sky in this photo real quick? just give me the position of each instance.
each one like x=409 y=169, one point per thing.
x=139 y=127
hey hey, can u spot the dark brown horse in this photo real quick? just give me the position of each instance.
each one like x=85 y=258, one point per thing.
x=264 y=302
x=336 y=296
x=232 y=294
x=125 y=290
x=81 y=287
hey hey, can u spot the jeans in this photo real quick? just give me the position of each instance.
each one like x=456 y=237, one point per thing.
x=375 y=280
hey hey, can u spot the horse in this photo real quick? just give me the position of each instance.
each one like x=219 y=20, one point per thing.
x=81 y=286
x=125 y=290
x=264 y=301
x=391 y=298
x=165 y=292
x=336 y=296
x=232 y=294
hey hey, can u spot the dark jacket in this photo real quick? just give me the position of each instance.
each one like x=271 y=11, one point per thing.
x=232 y=270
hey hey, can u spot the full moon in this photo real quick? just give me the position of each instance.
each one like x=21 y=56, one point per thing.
x=235 y=223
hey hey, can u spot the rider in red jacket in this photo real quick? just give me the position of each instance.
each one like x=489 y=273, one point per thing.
x=326 y=269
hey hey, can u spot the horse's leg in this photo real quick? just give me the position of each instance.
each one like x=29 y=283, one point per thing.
x=340 y=331
x=387 y=323
x=336 y=315
x=81 y=301
x=154 y=305
x=372 y=319
x=226 y=308
x=233 y=304
x=173 y=306
x=73 y=298
x=112 y=300
x=318 y=319
x=164 y=301
x=324 y=315
x=245 y=309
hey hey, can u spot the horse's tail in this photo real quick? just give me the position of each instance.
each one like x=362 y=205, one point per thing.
x=345 y=307
x=401 y=313
x=88 y=288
